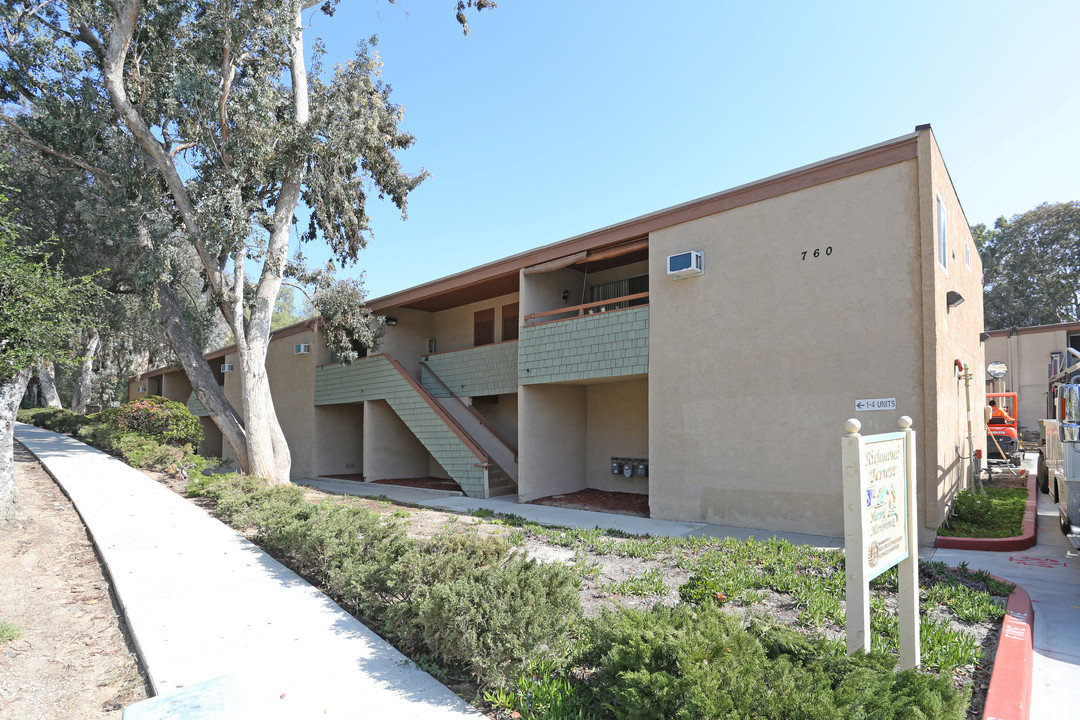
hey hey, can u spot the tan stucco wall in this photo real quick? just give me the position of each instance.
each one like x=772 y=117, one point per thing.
x=292 y=384
x=338 y=439
x=407 y=341
x=949 y=335
x=755 y=366
x=175 y=386
x=211 y=445
x=618 y=426
x=553 y=425
x=543 y=291
x=1028 y=357
x=503 y=416
x=133 y=389
x=453 y=328
x=392 y=449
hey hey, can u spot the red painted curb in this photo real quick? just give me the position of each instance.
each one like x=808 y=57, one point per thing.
x=1029 y=535
x=1009 y=695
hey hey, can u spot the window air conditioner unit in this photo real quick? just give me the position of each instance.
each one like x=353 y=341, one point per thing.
x=302 y=349
x=686 y=264
x=226 y=367
x=142 y=388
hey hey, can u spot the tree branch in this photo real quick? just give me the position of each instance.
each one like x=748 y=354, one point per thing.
x=104 y=175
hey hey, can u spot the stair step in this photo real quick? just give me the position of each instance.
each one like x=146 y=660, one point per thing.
x=499 y=483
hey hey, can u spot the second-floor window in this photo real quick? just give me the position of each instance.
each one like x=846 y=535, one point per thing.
x=510 y=322
x=942 y=235
x=483 y=327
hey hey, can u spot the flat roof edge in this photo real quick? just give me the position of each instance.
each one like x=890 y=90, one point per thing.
x=649 y=222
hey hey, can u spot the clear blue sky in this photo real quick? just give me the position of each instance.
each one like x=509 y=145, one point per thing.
x=555 y=118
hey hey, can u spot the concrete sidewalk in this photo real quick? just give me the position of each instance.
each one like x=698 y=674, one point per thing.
x=1050 y=572
x=202 y=602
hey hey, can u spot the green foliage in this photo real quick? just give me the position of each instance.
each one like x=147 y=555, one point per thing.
x=142 y=452
x=650 y=582
x=9 y=632
x=103 y=431
x=541 y=692
x=40 y=309
x=969 y=604
x=496 y=620
x=55 y=419
x=1041 y=243
x=460 y=599
x=993 y=513
x=160 y=419
x=686 y=662
x=285 y=309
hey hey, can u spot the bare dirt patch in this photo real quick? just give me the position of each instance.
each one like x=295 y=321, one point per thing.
x=74 y=658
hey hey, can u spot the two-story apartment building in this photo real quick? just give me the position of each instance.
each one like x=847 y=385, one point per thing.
x=721 y=394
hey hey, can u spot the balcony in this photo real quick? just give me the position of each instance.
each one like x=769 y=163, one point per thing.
x=586 y=342
x=483 y=370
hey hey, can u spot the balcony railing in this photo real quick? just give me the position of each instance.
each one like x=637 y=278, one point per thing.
x=567 y=313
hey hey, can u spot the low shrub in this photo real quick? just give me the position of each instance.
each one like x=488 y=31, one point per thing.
x=161 y=419
x=142 y=452
x=462 y=599
x=55 y=419
x=695 y=662
x=495 y=621
x=994 y=513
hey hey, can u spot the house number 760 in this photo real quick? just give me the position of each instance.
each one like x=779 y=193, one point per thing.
x=817 y=252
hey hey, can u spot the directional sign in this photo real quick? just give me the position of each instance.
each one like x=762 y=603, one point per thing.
x=875 y=404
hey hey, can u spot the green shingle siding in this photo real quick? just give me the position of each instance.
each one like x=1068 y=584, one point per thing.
x=485 y=370
x=594 y=346
x=374 y=378
x=195 y=407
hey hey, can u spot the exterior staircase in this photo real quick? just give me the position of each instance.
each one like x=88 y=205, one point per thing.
x=380 y=377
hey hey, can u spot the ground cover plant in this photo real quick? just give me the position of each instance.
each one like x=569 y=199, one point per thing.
x=611 y=625
x=991 y=513
x=468 y=606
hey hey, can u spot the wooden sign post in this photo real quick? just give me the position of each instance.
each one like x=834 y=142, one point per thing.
x=881 y=530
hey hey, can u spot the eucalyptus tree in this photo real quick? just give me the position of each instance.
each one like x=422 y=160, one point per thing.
x=217 y=104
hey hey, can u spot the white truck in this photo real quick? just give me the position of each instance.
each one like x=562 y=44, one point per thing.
x=1059 y=462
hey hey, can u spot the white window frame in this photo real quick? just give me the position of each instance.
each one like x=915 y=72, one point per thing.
x=942 y=234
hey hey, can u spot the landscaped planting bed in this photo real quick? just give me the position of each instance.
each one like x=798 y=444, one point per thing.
x=537 y=622
x=995 y=512
x=554 y=623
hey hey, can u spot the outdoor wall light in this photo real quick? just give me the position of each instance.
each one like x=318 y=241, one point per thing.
x=984 y=336
x=953 y=298
x=565 y=295
x=393 y=321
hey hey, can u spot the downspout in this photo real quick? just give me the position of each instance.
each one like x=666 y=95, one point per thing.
x=970 y=435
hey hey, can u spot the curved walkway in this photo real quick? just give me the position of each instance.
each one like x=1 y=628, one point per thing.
x=1050 y=572
x=204 y=603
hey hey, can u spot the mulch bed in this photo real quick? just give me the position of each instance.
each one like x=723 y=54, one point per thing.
x=619 y=503
x=427 y=483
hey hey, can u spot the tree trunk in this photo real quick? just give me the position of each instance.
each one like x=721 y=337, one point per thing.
x=47 y=381
x=268 y=452
x=203 y=383
x=80 y=398
x=11 y=390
